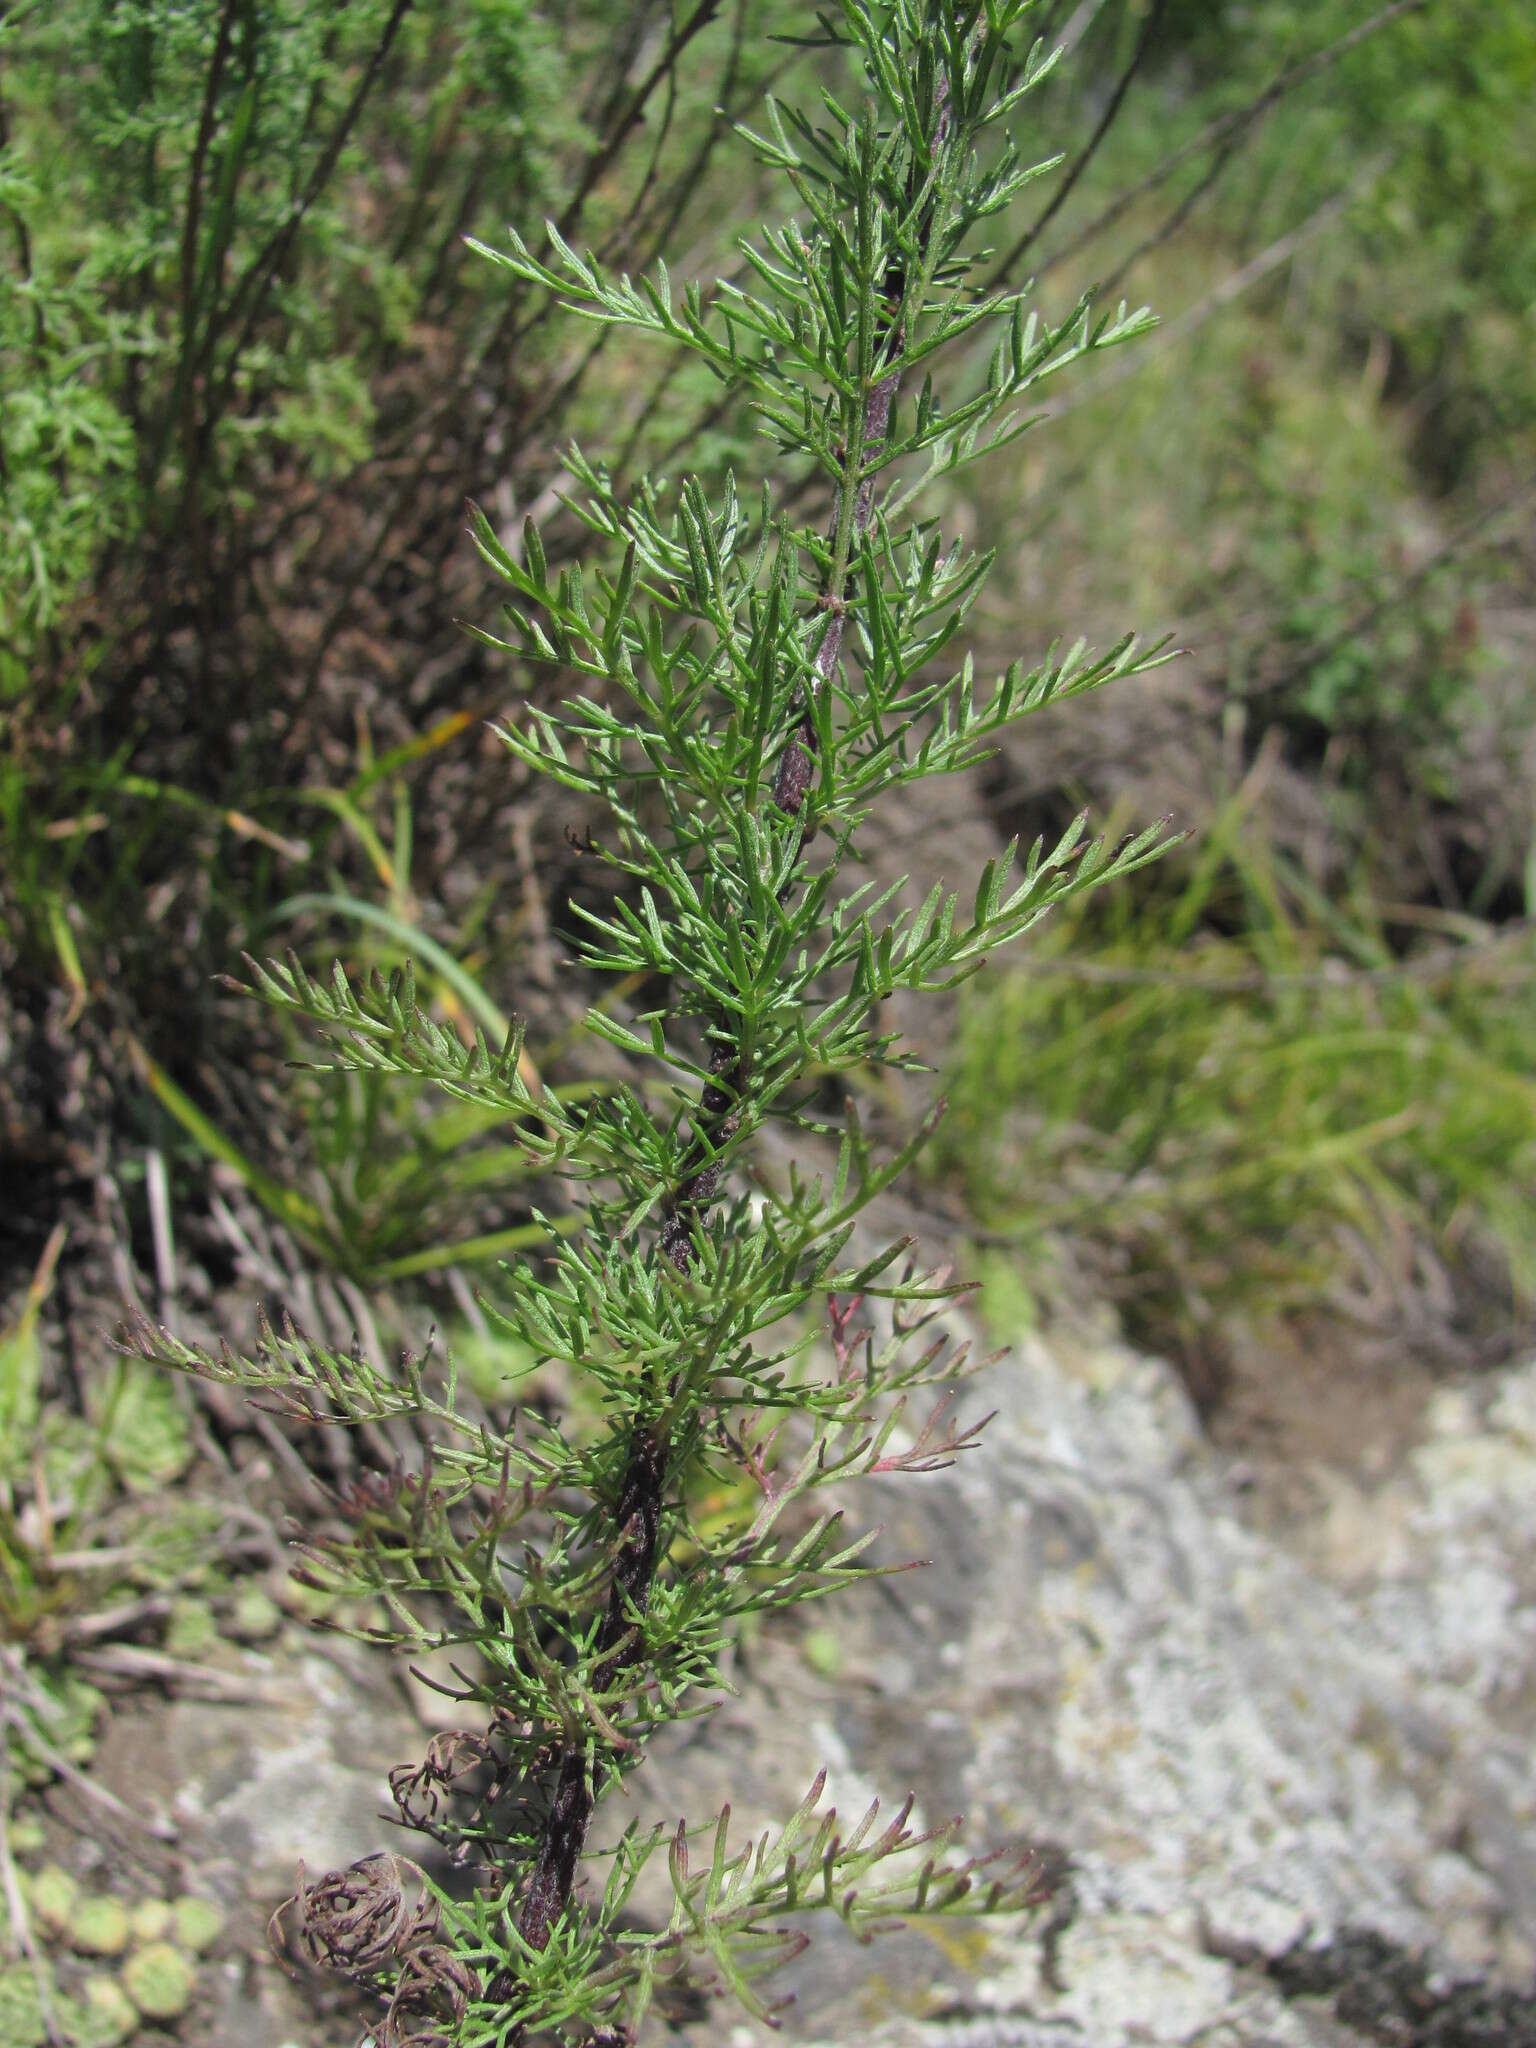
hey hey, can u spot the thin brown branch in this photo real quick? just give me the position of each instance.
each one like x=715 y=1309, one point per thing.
x=1230 y=128
x=205 y=126
x=250 y=294
x=1173 y=222
x=506 y=336
x=1058 y=199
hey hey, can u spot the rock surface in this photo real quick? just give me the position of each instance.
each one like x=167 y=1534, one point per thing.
x=1284 y=1775
x=1242 y=1745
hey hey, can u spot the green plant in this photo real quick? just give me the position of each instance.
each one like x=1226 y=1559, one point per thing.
x=247 y=370
x=750 y=685
x=388 y=1174
x=233 y=240
x=132 y=1961
x=192 y=308
x=85 y=1532
x=1236 y=1093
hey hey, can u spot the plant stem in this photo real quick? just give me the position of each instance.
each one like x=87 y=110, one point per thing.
x=638 y=1516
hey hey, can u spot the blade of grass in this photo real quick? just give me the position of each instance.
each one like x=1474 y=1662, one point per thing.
x=238 y=822
x=291 y=1209
x=474 y=1250
x=341 y=806
x=430 y=742
x=69 y=959
x=20 y=1359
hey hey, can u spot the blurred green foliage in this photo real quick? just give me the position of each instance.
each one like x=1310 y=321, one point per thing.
x=1397 y=373
x=1328 y=205
x=1251 y=1107
x=1272 y=1090
x=1434 y=110
x=190 y=302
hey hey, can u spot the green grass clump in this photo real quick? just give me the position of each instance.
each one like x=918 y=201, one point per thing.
x=1251 y=1106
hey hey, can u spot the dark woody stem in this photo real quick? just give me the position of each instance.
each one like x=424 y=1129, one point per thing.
x=565 y=1828
x=639 y=1509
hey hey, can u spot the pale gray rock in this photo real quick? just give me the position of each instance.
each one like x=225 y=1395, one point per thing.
x=1239 y=1740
